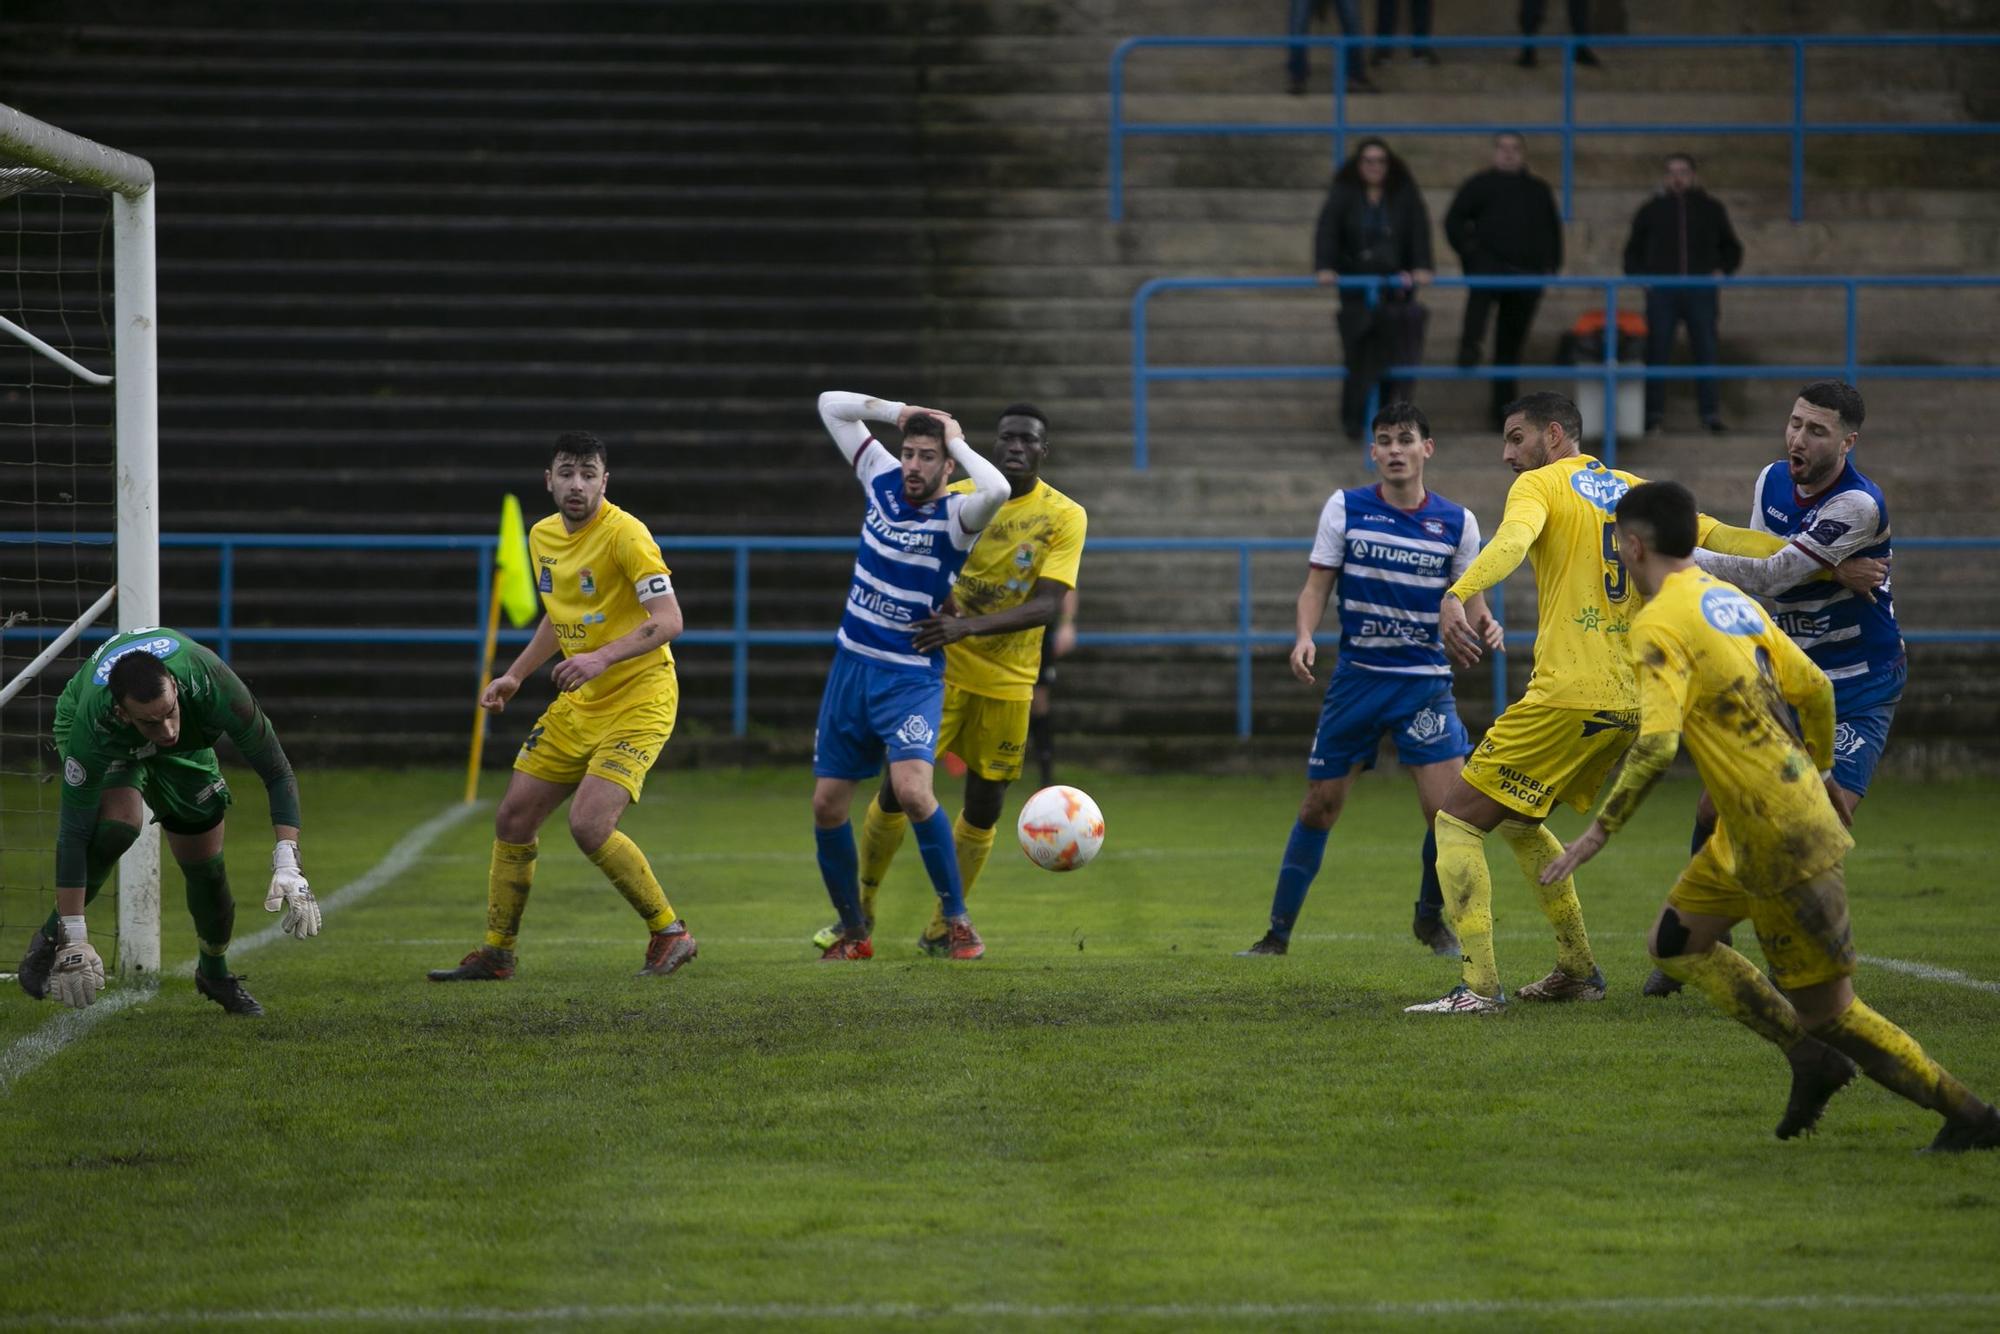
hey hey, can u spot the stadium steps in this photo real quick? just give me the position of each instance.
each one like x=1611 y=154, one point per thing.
x=907 y=197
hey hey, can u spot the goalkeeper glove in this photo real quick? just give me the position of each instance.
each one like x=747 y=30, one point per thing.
x=79 y=973
x=290 y=891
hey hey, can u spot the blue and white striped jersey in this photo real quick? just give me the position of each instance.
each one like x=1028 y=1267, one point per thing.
x=904 y=569
x=1394 y=568
x=1854 y=641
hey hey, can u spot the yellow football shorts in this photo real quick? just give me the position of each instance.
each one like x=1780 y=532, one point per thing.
x=990 y=735
x=1535 y=755
x=1803 y=930
x=566 y=743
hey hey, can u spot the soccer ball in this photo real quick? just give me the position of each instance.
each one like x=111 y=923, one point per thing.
x=1060 y=828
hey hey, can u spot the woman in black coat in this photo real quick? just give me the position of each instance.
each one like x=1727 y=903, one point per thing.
x=1374 y=222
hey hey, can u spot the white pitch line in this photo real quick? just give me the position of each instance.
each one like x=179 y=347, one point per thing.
x=29 y=1052
x=1932 y=973
x=920 y=1313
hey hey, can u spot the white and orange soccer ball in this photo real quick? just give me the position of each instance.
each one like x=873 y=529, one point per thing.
x=1061 y=828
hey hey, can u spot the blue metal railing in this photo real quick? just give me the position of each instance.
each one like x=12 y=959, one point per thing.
x=1850 y=367
x=739 y=638
x=1796 y=129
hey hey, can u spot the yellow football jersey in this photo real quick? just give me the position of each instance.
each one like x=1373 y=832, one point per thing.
x=1711 y=666
x=590 y=581
x=1039 y=536
x=1585 y=601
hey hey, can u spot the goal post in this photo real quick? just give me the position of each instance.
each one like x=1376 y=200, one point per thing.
x=32 y=153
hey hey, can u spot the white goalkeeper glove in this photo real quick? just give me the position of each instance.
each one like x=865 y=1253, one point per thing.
x=290 y=891
x=79 y=973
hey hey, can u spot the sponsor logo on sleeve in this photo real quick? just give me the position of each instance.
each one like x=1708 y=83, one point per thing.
x=1731 y=612
x=1827 y=531
x=73 y=773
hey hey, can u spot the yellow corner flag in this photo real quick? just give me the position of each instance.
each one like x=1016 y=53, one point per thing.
x=516 y=577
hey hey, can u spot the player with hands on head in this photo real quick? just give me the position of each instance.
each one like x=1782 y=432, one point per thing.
x=136 y=727
x=609 y=607
x=885 y=694
x=1014 y=587
x=1717 y=675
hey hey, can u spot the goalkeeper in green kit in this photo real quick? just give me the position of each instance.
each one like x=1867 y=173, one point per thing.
x=139 y=720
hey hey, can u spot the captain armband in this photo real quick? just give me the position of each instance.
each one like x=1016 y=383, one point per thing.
x=652 y=586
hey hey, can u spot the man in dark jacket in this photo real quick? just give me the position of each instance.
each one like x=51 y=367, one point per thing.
x=1374 y=223
x=1503 y=221
x=1683 y=230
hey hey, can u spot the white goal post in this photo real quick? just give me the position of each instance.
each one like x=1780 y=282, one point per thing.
x=27 y=143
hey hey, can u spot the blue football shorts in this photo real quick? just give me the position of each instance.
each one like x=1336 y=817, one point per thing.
x=871 y=711
x=1360 y=706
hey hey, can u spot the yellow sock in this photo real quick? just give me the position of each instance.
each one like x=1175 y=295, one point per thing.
x=1534 y=848
x=881 y=834
x=1734 y=986
x=1896 y=1061
x=972 y=843
x=1468 y=899
x=626 y=867
x=508 y=881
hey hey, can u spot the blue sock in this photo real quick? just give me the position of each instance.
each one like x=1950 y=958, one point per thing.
x=840 y=867
x=1303 y=851
x=941 y=860
x=1430 y=897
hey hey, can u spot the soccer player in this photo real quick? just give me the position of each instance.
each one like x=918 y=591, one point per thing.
x=609 y=606
x=885 y=693
x=138 y=722
x=1561 y=738
x=1714 y=670
x=1013 y=586
x=1830 y=515
x=1391 y=549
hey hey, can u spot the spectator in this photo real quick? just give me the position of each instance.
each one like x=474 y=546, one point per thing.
x=1579 y=26
x=1302 y=16
x=1503 y=221
x=1682 y=230
x=1420 y=26
x=1374 y=222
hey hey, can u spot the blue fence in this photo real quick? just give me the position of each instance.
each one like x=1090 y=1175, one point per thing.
x=739 y=638
x=1796 y=129
x=1850 y=367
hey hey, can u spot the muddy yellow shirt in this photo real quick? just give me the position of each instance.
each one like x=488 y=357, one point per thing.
x=1039 y=536
x=594 y=584
x=1712 y=667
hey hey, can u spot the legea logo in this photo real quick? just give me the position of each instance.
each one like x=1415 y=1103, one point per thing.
x=1730 y=612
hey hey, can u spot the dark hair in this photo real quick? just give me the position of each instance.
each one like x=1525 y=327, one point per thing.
x=1026 y=410
x=1842 y=397
x=1397 y=179
x=1672 y=158
x=1401 y=412
x=1666 y=510
x=137 y=676
x=924 y=427
x=1545 y=406
x=580 y=445
x=1515 y=135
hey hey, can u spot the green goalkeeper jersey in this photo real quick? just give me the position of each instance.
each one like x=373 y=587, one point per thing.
x=96 y=744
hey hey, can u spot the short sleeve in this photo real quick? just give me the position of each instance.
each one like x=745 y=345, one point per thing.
x=1330 y=539
x=1065 y=552
x=1468 y=548
x=640 y=561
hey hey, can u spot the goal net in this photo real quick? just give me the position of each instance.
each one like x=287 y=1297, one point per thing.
x=79 y=530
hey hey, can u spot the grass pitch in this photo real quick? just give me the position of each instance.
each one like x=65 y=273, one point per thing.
x=1110 y=1122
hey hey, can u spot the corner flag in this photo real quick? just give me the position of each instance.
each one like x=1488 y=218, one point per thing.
x=516 y=580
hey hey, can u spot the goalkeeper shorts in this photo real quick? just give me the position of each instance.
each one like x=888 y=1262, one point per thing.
x=187 y=792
